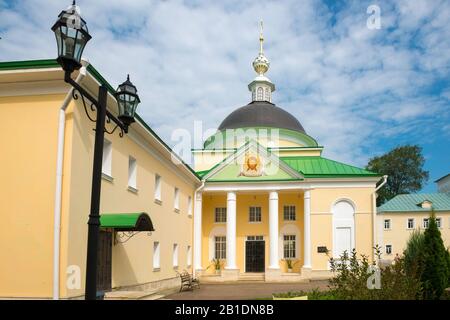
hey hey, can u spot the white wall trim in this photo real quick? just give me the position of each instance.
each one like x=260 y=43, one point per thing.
x=168 y=164
x=33 y=88
x=278 y=186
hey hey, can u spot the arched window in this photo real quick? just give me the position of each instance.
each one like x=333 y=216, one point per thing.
x=267 y=98
x=343 y=227
x=260 y=95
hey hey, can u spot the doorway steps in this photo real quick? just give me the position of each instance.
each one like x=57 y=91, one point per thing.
x=252 y=277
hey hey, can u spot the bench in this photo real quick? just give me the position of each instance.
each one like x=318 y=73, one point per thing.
x=188 y=282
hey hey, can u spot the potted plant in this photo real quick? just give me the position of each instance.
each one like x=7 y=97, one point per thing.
x=290 y=264
x=217 y=264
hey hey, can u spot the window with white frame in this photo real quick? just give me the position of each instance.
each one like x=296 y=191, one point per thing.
x=132 y=172
x=220 y=215
x=426 y=221
x=176 y=199
x=107 y=158
x=260 y=94
x=255 y=214
x=156 y=255
x=289 y=213
x=158 y=187
x=289 y=243
x=190 y=206
x=388 y=249
x=189 y=256
x=255 y=238
x=410 y=223
x=220 y=247
x=175 y=255
x=438 y=222
x=387 y=224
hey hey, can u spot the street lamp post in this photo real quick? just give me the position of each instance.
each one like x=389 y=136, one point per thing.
x=72 y=36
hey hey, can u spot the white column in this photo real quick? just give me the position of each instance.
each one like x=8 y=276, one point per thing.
x=198 y=231
x=273 y=230
x=231 y=231
x=307 y=231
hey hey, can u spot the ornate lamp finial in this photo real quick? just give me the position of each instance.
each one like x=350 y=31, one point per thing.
x=261 y=37
x=261 y=63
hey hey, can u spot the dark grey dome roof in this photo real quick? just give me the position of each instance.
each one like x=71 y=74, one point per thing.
x=261 y=114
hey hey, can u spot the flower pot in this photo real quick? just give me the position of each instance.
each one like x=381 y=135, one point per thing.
x=217 y=271
x=290 y=270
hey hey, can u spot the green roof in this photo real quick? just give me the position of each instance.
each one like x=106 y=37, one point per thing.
x=411 y=202
x=126 y=221
x=319 y=167
x=201 y=174
x=29 y=64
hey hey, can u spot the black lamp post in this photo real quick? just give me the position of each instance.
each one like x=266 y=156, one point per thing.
x=72 y=36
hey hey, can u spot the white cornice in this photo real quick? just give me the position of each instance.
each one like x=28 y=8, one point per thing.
x=33 y=88
x=294 y=185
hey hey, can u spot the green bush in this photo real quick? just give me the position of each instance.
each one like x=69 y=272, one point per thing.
x=352 y=275
x=435 y=274
x=414 y=254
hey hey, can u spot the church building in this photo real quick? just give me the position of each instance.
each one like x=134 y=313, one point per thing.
x=270 y=206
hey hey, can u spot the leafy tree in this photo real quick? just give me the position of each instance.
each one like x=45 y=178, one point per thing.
x=404 y=166
x=435 y=273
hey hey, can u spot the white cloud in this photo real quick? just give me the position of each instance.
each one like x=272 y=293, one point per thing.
x=191 y=60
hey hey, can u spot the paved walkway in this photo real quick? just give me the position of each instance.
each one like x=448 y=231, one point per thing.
x=244 y=291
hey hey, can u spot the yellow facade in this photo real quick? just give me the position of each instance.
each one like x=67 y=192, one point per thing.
x=398 y=234
x=28 y=173
x=27 y=191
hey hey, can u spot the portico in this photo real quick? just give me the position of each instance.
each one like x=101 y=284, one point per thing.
x=273 y=217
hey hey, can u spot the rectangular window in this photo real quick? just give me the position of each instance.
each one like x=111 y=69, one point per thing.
x=289 y=213
x=132 y=172
x=175 y=255
x=255 y=238
x=157 y=187
x=220 y=215
x=425 y=223
x=289 y=246
x=438 y=222
x=387 y=224
x=176 y=199
x=388 y=249
x=255 y=214
x=190 y=206
x=220 y=247
x=189 y=256
x=107 y=158
x=410 y=224
x=156 y=255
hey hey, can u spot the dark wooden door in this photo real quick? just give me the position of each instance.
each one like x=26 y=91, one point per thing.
x=104 y=262
x=254 y=256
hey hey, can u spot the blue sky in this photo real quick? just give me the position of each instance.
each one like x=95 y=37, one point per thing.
x=358 y=91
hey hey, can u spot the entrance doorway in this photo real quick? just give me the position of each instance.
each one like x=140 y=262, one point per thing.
x=254 y=254
x=104 y=262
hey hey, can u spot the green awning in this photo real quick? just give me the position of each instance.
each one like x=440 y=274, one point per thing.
x=127 y=221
